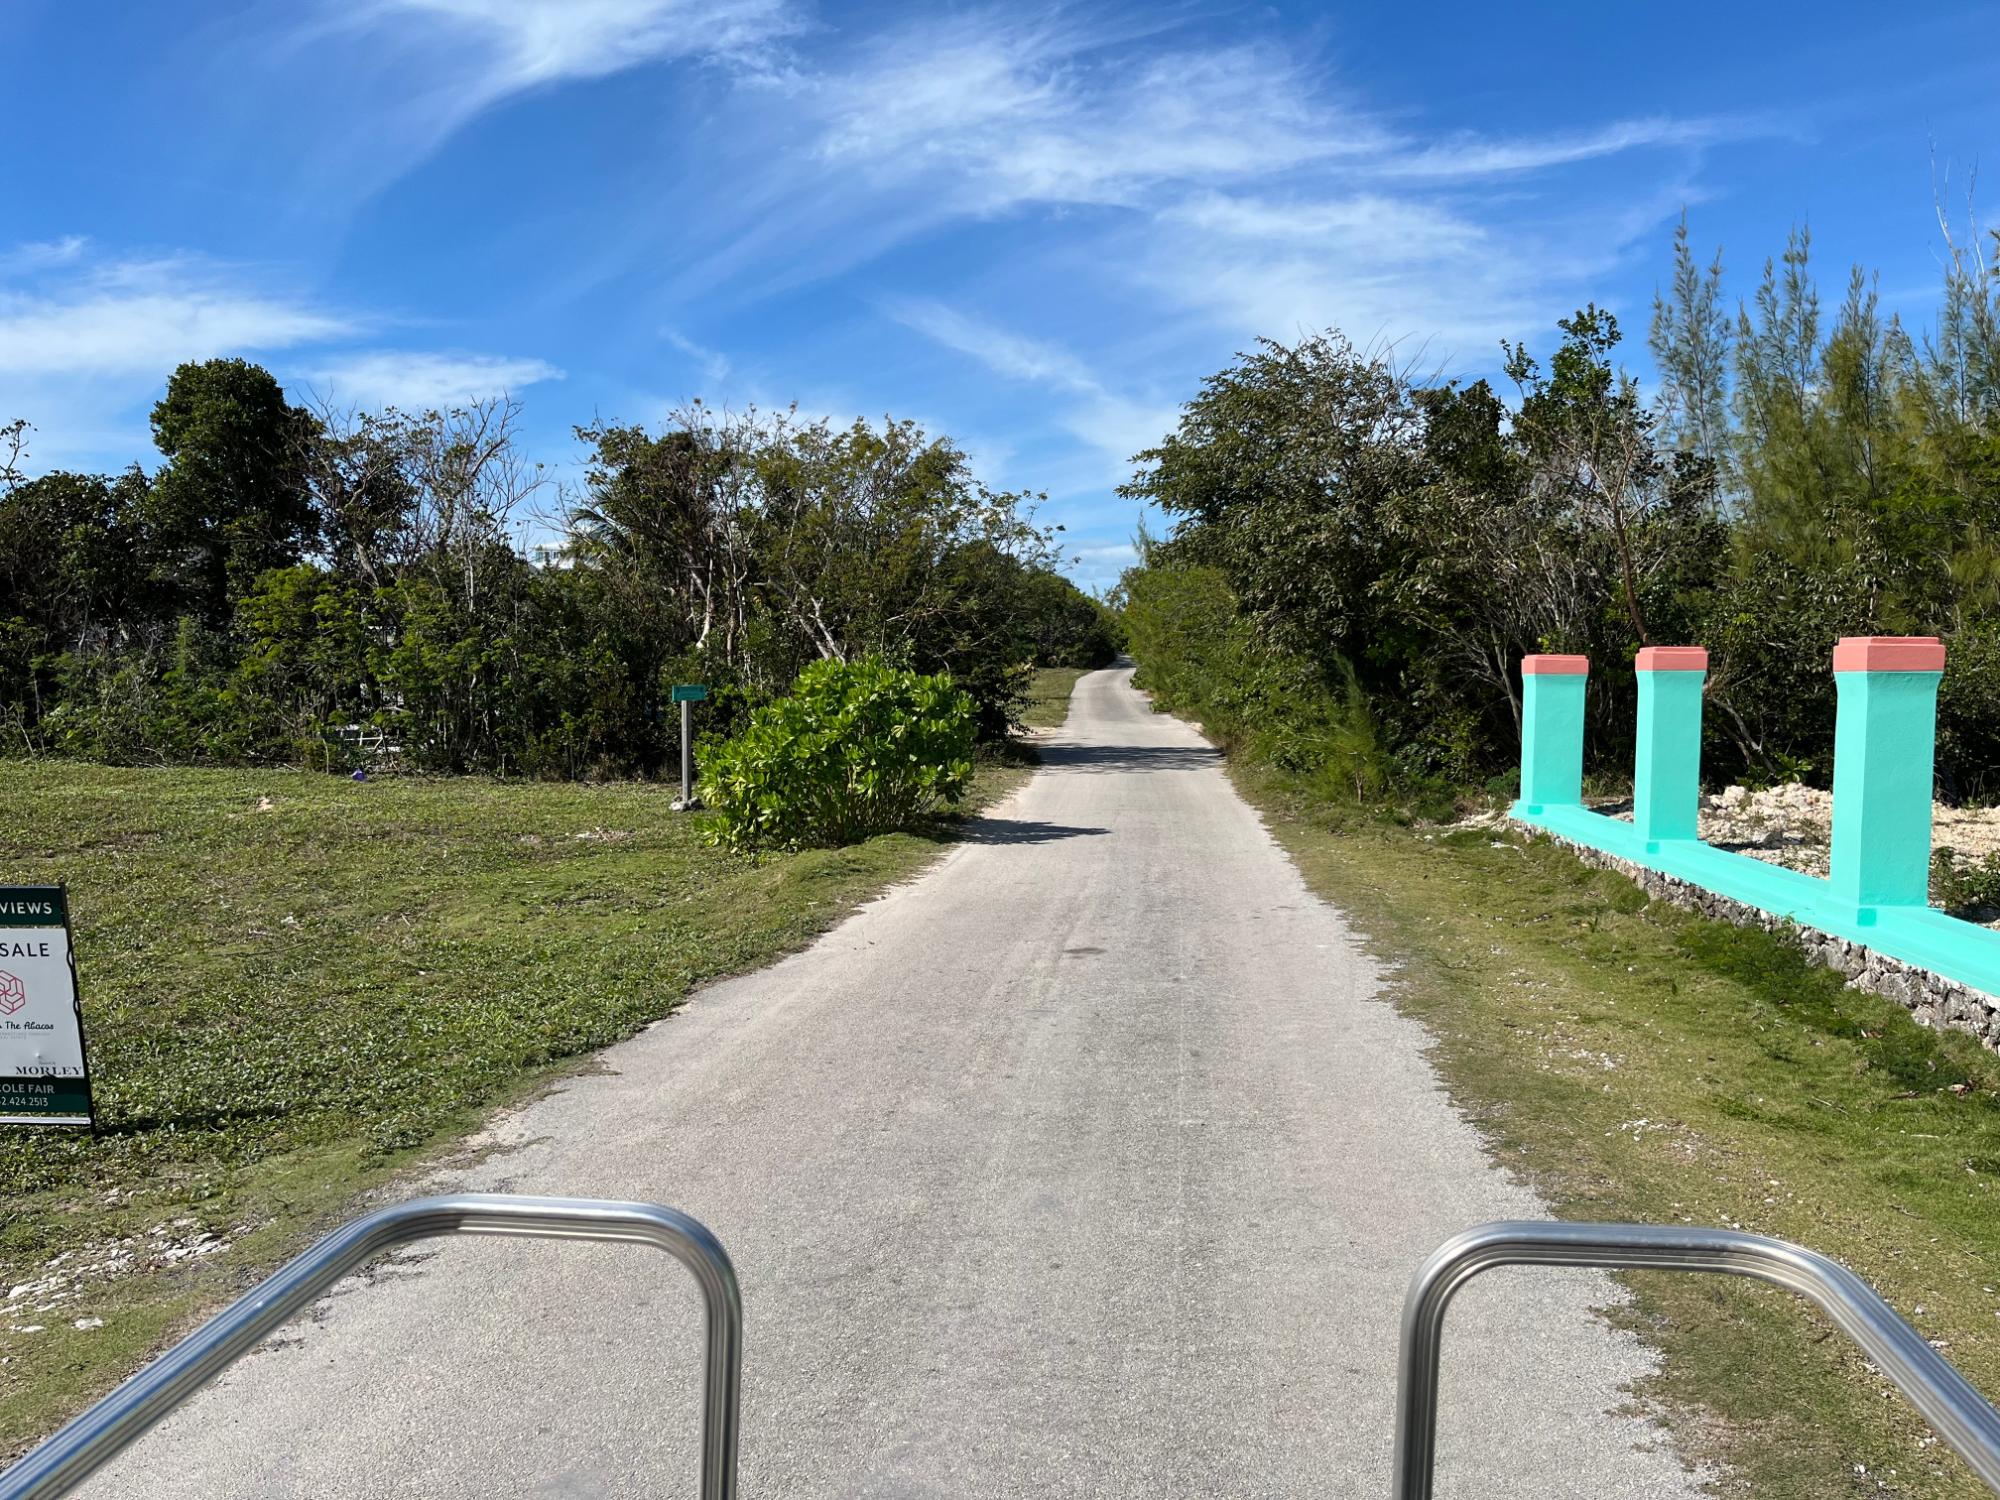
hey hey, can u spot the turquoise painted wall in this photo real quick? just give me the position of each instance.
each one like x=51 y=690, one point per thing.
x=1884 y=740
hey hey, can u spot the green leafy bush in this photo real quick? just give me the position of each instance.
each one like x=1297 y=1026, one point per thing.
x=857 y=748
x=1970 y=888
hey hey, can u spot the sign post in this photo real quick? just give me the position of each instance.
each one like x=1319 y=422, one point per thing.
x=44 y=1077
x=687 y=695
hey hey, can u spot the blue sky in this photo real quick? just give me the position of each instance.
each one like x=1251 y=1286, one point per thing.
x=1033 y=227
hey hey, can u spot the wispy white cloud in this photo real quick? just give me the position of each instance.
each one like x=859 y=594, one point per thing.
x=1444 y=279
x=142 y=317
x=85 y=345
x=1004 y=353
x=41 y=255
x=1383 y=268
x=1240 y=181
x=1370 y=223
x=1462 y=156
x=1246 y=190
x=1242 y=188
x=525 y=44
x=434 y=65
x=1012 y=106
x=1007 y=110
x=713 y=365
x=1117 y=425
x=418 y=380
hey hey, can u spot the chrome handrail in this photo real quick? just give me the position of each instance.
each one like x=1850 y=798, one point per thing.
x=93 y=1438
x=1942 y=1396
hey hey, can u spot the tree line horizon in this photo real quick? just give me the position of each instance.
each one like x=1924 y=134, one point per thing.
x=1354 y=564
x=314 y=586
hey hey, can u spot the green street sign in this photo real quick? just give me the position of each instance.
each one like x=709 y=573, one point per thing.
x=689 y=692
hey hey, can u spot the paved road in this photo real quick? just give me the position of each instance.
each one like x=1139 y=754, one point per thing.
x=1089 y=1164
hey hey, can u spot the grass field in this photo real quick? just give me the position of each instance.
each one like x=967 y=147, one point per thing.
x=296 y=986
x=1634 y=1062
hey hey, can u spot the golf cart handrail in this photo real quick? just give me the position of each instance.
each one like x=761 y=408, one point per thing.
x=93 y=1438
x=1942 y=1396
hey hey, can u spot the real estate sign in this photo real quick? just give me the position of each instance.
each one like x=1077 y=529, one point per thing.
x=43 y=1077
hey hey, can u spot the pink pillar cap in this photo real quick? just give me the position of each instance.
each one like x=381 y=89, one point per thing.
x=1554 y=666
x=1889 y=653
x=1672 y=659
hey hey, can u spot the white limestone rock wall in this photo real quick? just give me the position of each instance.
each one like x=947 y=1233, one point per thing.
x=1934 y=1000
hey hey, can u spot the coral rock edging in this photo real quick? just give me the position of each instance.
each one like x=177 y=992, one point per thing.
x=1934 y=1000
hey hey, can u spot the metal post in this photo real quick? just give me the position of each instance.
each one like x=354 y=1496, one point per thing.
x=1942 y=1396
x=687 y=754
x=93 y=1438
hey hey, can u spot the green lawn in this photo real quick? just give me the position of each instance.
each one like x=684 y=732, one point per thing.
x=1634 y=1062
x=295 y=984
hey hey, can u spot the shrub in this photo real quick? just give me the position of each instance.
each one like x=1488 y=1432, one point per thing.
x=1971 y=889
x=1200 y=656
x=857 y=748
x=1968 y=742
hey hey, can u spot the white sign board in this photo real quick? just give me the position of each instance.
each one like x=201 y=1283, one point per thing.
x=44 y=1079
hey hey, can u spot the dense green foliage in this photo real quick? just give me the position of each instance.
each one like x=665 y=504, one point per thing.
x=1204 y=657
x=1358 y=562
x=336 y=589
x=855 y=749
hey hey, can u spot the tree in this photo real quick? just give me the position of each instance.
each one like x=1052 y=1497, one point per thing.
x=69 y=556
x=1690 y=344
x=1960 y=370
x=72 y=588
x=13 y=451
x=306 y=648
x=360 y=470
x=1489 y=568
x=1279 y=473
x=855 y=525
x=664 y=522
x=470 y=480
x=1589 y=443
x=1790 y=482
x=232 y=500
x=1066 y=626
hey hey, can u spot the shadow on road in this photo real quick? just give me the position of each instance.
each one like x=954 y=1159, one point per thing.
x=1015 y=831
x=1109 y=758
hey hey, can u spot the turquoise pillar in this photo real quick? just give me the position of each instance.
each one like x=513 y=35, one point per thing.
x=1884 y=737
x=1552 y=731
x=1666 y=770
